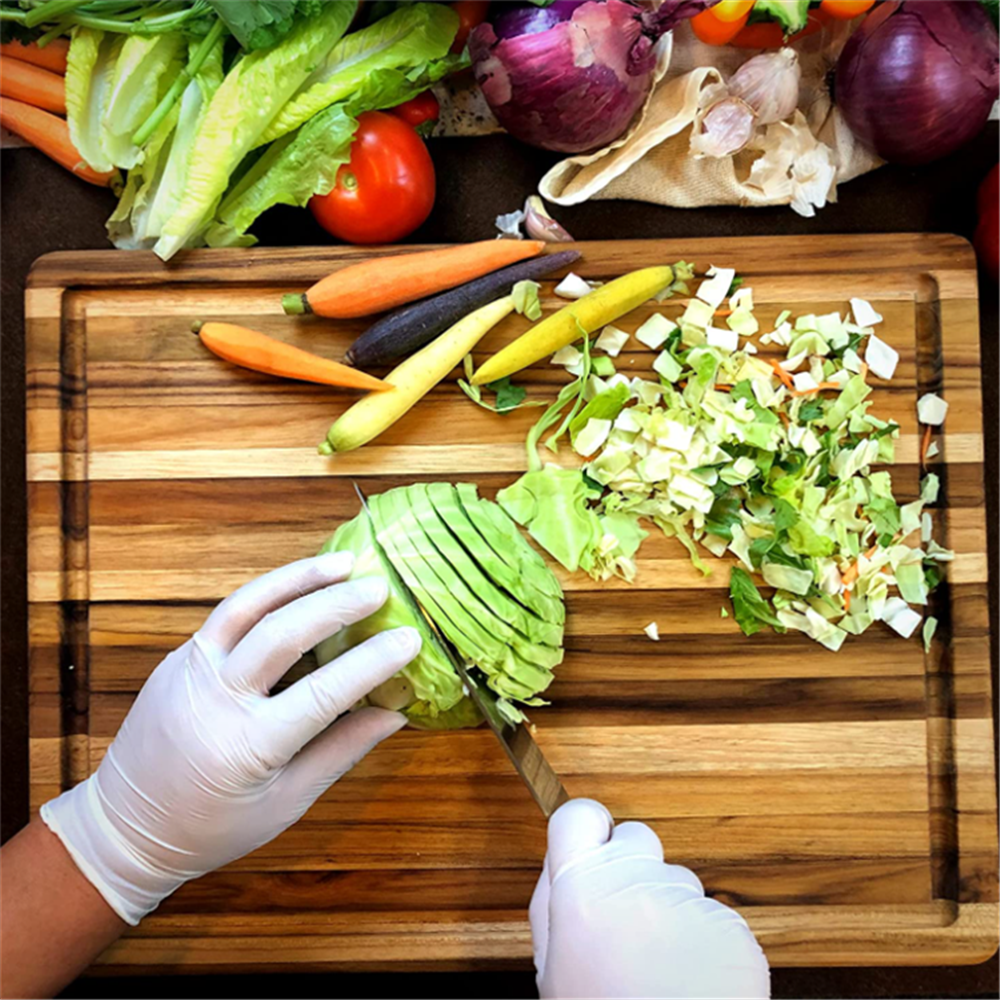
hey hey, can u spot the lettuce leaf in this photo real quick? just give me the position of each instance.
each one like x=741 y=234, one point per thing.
x=155 y=188
x=252 y=93
x=90 y=66
x=262 y=23
x=305 y=162
x=144 y=69
x=411 y=36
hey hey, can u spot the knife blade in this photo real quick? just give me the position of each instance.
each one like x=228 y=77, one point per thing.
x=542 y=781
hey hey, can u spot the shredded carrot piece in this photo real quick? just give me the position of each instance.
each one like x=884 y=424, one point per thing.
x=722 y=387
x=785 y=377
x=847 y=600
x=925 y=443
x=851 y=573
x=784 y=418
x=822 y=385
x=723 y=312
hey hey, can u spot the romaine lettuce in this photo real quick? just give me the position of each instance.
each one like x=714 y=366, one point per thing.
x=252 y=94
x=411 y=36
x=90 y=65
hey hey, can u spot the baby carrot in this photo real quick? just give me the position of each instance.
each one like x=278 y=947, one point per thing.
x=261 y=353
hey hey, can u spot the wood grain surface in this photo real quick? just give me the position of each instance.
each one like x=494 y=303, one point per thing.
x=844 y=802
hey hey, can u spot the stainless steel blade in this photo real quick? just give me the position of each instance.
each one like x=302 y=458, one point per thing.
x=519 y=745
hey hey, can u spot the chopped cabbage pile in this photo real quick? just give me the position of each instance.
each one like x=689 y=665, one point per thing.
x=772 y=461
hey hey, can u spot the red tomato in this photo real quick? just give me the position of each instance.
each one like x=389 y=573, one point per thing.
x=417 y=110
x=387 y=189
x=987 y=238
x=771 y=35
x=470 y=13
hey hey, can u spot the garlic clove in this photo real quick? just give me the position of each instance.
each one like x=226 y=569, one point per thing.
x=769 y=83
x=725 y=129
x=540 y=225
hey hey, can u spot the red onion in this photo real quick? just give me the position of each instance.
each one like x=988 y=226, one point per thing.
x=917 y=80
x=516 y=19
x=571 y=76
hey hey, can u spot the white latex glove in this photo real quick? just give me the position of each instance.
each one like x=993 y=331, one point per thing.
x=207 y=766
x=610 y=919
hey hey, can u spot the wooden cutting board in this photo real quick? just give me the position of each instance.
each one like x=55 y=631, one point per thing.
x=845 y=803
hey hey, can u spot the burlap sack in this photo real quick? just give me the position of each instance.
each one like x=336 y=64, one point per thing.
x=653 y=162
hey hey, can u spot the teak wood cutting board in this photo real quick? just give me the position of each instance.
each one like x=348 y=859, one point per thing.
x=844 y=803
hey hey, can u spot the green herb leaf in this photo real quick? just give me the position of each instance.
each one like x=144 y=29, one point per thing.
x=785 y=515
x=751 y=611
x=725 y=513
x=509 y=396
x=811 y=410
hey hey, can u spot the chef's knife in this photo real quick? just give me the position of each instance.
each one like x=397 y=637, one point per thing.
x=543 y=783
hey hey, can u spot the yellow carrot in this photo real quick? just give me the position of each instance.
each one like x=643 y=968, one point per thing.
x=581 y=318
x=413 y=379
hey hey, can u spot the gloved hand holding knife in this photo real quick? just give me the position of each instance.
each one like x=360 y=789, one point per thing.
x=209 y=765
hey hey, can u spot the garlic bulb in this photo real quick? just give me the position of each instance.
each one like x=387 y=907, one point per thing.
x=727 y=127
x=769 y=83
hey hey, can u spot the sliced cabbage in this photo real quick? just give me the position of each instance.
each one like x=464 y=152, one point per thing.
x=654 y=332
x=611 y=341
x=722 y=456
x=931 y=409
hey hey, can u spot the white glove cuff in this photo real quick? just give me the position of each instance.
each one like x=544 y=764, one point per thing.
x=79 y=819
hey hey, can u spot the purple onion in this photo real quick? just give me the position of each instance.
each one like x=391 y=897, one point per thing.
x=516 y=19
x=571 y=76
x=917 y=80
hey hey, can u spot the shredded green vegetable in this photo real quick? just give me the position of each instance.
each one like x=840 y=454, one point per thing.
x=772 y=461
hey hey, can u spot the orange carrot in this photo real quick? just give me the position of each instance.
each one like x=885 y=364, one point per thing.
x=925 y=443
x=33 y=85
x=784 y=418
x=386 y=282
x=723 y=387
x=250 y=349
x=847 y=600
x=723 y=312
x=51 y=57
x=785 y=377
x=820 y=386
x=50 y=135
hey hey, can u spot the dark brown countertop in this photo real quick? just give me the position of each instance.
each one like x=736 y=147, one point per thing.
x=43 y=208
